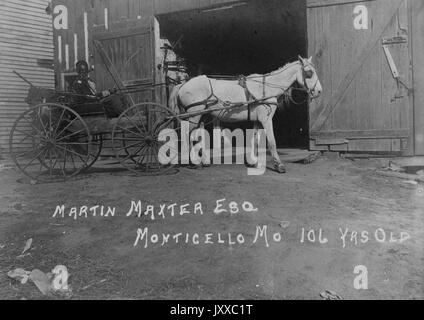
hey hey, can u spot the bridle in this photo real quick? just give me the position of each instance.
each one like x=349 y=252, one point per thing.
x=308 y=74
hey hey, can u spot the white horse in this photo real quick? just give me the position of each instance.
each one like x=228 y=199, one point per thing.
x=193 y=95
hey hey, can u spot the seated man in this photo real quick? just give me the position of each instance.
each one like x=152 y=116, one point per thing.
x=103 y=102
x=83 y=84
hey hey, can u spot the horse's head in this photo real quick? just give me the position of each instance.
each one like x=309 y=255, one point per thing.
x=308 y=78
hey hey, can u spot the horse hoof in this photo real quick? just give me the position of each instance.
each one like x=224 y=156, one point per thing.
x=249 y=165
x=280 y=168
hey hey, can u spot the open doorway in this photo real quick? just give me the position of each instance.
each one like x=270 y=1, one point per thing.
x=248 y=37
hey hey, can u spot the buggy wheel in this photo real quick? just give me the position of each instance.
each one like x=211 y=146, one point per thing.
x=49 y=142
x=135 y=139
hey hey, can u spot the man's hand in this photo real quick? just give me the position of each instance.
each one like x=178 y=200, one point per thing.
x=103 y=94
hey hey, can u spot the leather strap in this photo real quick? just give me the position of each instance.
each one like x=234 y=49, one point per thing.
x=249 y=96
x=208 y=102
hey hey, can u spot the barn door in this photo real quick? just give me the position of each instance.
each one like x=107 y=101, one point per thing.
x=125 y=58
x=417 y=20
x=362 y=53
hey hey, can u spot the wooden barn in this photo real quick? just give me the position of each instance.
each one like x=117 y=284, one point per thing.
x=26 y=46
x=369 y=56
x=370 y=59
x=125 y=38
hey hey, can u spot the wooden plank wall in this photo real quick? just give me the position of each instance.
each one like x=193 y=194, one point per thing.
x=108 y=14
x=25 y=37
x=99 y=13
x=418 y=70
x=367 y=107
x=167 y=6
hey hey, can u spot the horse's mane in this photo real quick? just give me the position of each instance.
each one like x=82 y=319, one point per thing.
x=280 y=69
x=253 y=75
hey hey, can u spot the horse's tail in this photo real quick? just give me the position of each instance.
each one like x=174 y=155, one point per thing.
x=174 y=99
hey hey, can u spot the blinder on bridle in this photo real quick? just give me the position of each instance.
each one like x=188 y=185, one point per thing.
x=308 y=74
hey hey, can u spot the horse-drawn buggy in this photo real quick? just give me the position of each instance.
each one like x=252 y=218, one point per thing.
x=63 y=133
x=66 y=131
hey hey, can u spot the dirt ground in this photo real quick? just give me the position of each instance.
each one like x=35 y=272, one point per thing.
x=328 y=194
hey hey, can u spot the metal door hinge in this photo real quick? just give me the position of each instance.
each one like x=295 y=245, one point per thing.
x=394 y=40
x=395 y=73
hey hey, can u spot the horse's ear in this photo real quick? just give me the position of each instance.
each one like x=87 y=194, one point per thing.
x=310 y=59
x=301 y=60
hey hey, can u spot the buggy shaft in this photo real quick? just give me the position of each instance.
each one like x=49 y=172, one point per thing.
x=226 y=106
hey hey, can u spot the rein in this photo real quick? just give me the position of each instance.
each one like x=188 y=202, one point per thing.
x=306 y=75
x=286 y=92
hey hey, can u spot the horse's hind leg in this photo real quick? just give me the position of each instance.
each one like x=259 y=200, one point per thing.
x=276 y=161
x=202 y=126
x=251 y=159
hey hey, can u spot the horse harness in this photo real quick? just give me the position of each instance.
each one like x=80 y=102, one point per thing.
x=250 y=97
x=251 y=100
x=208 y=101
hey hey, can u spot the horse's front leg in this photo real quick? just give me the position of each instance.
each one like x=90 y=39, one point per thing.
x=254 y=146
x=269 y=131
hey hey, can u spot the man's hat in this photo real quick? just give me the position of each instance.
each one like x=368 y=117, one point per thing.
x=82 y=66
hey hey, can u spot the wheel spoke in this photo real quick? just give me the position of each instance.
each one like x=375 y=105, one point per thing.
x=72 y=158
x=64 y=163
x=148 y=161
x=23 y=153
x=50 y=120
x=126 y=129
x=58 y=122
x=127 y=139
x=67 y=126
x=149 y=119
x=28 y=134
x=142 y=156
x=70 y=135
x=130 y=146
x=35 y=128
x=72 y=151
x=140 y=118
x=129 y=156
x=158 y=127
x=73 y=143
x=22 y=140
x=40 y=120
x=62 y=168
x=50 y=162
x=155 y=154
x=56 y=158
x=135 y=125
x=41 y=167
x=32 y=160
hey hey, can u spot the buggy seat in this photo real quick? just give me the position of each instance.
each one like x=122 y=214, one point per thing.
x=111 y=106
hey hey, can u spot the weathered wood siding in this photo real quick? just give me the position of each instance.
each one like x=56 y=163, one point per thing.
x=168 y=6
x=417 y=15
x=362 y=107
x=122 y=27
x=26 y=40
x=131 y=51
x=98 y=18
